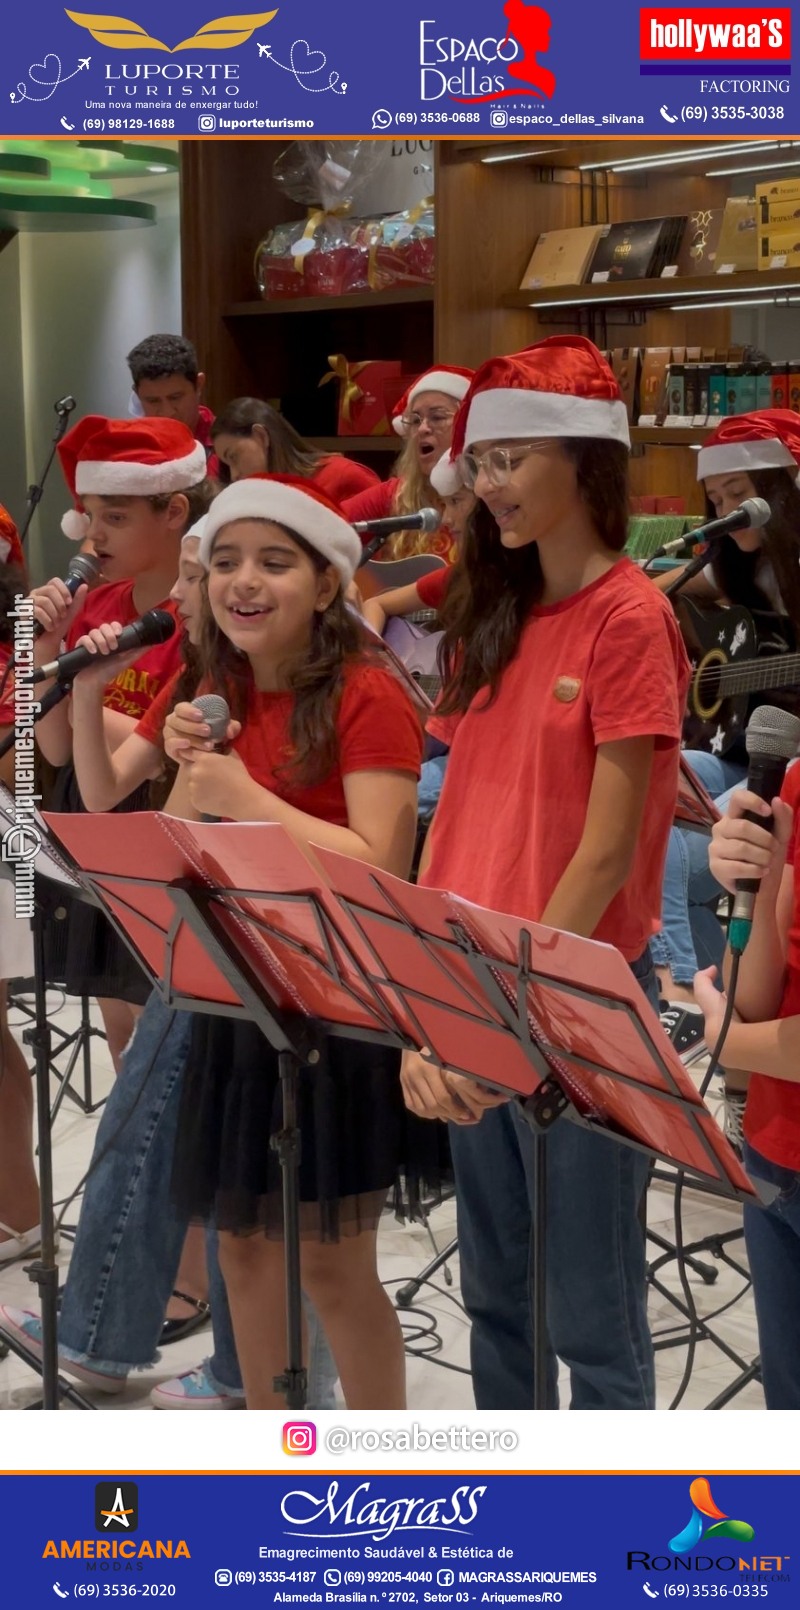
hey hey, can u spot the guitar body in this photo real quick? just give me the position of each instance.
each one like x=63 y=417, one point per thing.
x=734 y=655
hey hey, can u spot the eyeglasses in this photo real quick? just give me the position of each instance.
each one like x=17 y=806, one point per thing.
x=437 y=420
x=498 y=464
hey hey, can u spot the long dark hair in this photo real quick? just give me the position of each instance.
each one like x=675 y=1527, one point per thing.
x=493 y=588
x=289 y=453
x=780 y=545
x=316 y=681
x=185 y=689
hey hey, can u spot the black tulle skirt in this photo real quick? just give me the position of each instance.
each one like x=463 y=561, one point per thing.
x=360 y=1147
x=83 y=951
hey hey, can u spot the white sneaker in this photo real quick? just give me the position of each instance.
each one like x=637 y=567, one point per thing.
x=733 y=1105
x=21 y=1243
x=27 y=1328
x=194 y=1389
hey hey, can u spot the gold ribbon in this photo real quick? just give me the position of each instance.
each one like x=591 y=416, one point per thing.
x=345 y=373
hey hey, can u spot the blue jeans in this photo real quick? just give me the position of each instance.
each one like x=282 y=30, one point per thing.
x=430 y=785
x=772 y=1237
x=596 y=1271
x=691 y=936
x=130 y=1239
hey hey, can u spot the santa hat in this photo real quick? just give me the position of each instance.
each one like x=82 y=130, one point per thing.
x=288 y=501
x=767 y=440
x=560 y=387
x=195 y=534
x=138 y=458
x=453 y=382
x=446 y=477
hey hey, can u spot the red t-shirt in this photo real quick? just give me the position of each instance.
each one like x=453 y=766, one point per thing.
x=604 y=665
x=133 y=690
x=10 y=545
x=377 y=729
x=372 y=503
x=151 y=725
x=7 y=712
x=432 y=588
x=772 y=1114
x=341 y=478
x=202 y=432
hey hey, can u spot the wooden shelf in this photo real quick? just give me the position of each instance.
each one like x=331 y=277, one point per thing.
x=652 y=292
x=357 y=444
x=331 y=304
x=671 y=436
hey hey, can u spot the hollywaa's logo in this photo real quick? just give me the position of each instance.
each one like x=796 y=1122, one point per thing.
x=224 y=33
x=526 y=38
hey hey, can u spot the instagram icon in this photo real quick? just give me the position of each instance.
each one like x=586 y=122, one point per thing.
x=299 y=1438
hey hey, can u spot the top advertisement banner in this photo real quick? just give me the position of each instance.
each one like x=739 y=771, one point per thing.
x=440 y=67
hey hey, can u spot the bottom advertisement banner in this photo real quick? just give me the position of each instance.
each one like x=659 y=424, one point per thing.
x=590 y=1541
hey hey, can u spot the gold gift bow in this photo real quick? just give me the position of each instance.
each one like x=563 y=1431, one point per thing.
x=344 y=372
x=373 y=274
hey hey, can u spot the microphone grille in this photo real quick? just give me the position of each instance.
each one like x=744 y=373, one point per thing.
x=773 y=733
x=758 y=512
x=430 y=520
x=84 y=565
x=216 y=711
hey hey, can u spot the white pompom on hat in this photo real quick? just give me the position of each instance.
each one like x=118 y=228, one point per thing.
x=768 y=439
x=126 y=458
x=195 y=534
x=446 y=477
x=443 y=377
x=561 y=387
x=288 y=501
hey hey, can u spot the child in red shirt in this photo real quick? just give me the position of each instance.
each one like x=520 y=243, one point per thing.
x=569 y=677
x=138 y=485
x=325 y=742
x=765 y=1036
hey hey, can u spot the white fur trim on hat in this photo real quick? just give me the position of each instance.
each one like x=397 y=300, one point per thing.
x=260 y=499
x=118 y=478
x=445 y=477
x=455 y=386
x=768 y=454
x=75 y=525
x=195 y=534
x=501 y=414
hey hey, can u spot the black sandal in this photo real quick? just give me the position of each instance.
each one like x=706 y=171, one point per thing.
x=174 y=1330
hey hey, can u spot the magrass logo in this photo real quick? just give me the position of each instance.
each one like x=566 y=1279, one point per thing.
x=704 y=1510
x=116 y=1506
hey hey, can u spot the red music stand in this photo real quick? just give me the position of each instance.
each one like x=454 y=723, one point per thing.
x=694 y=807
x=236 y=918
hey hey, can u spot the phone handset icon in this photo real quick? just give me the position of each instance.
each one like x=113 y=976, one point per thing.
x=57 y=1588
x=651 y=1592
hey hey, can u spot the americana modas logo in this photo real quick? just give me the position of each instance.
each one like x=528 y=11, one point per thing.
x=223 y=33
x=116 y=1507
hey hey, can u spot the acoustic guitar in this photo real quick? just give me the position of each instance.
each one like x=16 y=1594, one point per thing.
x=734 y=655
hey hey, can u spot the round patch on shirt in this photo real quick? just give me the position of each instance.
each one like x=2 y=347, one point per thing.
x=566 y=688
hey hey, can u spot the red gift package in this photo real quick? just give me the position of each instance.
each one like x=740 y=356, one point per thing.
x=363 y=389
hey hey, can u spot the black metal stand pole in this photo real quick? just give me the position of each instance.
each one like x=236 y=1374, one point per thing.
x=63 y=409
x=294 y=1381
x=539 y=1302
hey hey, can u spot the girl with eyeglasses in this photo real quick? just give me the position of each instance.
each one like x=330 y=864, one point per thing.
x=569 y=677
x=424 y=417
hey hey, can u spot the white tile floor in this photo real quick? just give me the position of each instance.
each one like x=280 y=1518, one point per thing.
x=439 y=1383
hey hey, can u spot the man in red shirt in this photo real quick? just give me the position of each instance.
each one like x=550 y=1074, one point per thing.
x=169 y=384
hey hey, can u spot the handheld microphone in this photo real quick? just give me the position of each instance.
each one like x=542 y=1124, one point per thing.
x=427 y=520
x=752 y=514
x=217 y=714
x=65 y=405
x=156 y=626
x=83 y=567
x=772 y=739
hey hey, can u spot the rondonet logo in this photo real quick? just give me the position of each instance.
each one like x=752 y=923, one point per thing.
x=711 y=34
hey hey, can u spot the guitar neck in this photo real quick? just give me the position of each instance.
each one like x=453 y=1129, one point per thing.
x=772 y=671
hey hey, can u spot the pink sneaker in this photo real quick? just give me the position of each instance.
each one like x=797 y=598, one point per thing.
x=26 y=1327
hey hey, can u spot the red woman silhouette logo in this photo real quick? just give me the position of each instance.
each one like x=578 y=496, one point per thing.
x=529 y=26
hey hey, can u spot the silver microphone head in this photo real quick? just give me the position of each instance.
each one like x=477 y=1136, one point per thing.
x=216 y=711
x=430 y=520
x=773 y=732
x=86 y=566
x=758 y=512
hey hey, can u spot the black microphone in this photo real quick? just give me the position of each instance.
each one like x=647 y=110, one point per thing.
x=750 y=515
x=83 y=567
x=216 y=711
x=65 y=405
x=156 y=626
x=427 y=520
x=772 y=739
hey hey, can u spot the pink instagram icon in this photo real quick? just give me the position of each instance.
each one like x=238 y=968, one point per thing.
x=299 y=1438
